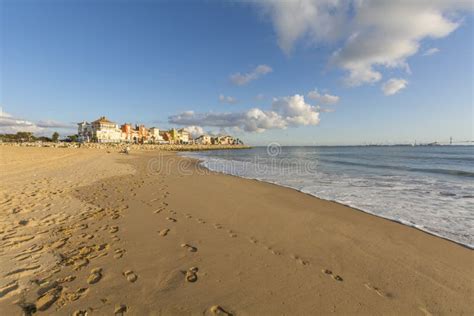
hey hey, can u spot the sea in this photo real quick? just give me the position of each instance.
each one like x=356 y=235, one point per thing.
x=427 y=187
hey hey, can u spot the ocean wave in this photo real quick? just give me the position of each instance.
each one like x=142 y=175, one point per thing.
x=452 y=172
x=400 y=201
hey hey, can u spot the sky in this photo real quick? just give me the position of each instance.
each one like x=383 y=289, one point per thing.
x=308 y=72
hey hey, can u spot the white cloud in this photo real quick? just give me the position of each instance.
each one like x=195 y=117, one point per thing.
x=54 y=124
x=296 y=111
x=431 y=51
x=194 y=130
x=11 y=125
x=227 y=99
x=393 y=86
x=317 y=21
x=242 y=79
x=376 y=34
x=323 y=98
x=286 y=112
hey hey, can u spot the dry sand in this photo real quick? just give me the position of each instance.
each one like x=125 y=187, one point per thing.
x=83 y=230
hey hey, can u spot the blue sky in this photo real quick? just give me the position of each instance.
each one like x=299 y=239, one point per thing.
x=153 y=62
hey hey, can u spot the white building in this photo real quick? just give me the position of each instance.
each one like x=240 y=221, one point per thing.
x=84 y=132
x=154 y=135
x=203 y=140
x=183 y=136
x=101 y=131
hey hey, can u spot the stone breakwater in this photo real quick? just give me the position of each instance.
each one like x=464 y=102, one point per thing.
x=122 y=146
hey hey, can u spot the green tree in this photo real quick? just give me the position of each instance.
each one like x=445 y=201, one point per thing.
x=24 y=136
x=73 y=138
x=55 y=137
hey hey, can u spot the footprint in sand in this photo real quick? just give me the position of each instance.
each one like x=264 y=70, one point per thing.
x=69 y=278
x=45 y=301
x=163 y=232
x=217 y=226
x=189 y=247
x=28 y=309
x=119 y=253
x=115 y=216
x=113 y=229
x=59 y=243
x=191 y=275
x=21 y=270
x=375 y=289
x=80 y=263
x=232 y=234
x=74 y=296
x=120 y=310
x=171 y=219
x=159 y=210
x=218 y=310
x=130 y=275
x=95 y=276
x=201 y=221
x=7 y=288
x=334 y=276
x=253 y=240
x=298 y=259
x=80 y=313
x=275 y=252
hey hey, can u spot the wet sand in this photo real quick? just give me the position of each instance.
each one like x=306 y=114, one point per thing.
x=83 y=230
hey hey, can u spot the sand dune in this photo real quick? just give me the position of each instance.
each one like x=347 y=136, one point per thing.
x=83 y=231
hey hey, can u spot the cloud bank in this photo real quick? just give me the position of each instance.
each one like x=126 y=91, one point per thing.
x=375 y=34
x=243 y=79
x=12 y=125
x=291 y=111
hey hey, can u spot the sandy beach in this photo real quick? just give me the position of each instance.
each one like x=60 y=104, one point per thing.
x=91 y=232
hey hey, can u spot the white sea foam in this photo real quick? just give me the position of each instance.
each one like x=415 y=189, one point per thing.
x=438 y=202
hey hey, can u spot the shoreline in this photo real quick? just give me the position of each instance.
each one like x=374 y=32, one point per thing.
x=121 y=146
x=398 y=221
x=152 y=215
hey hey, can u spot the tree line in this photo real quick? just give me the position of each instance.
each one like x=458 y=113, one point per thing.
x=30 y=137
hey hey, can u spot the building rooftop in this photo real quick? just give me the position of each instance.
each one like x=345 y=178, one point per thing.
x=103 y=119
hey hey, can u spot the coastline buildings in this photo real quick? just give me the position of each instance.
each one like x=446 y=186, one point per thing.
x=103 y=130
